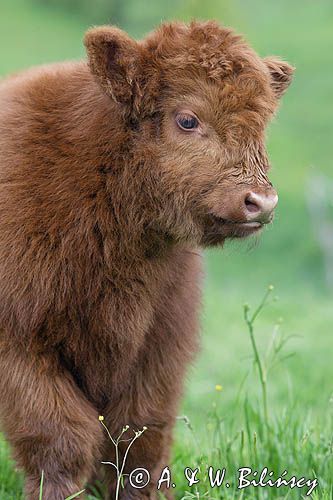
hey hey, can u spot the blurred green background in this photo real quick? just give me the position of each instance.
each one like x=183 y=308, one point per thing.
x=300 y=139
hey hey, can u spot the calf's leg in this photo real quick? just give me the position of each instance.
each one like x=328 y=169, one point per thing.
x=50 y=425
x=156 y=382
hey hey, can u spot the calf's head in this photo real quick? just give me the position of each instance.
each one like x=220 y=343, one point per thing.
x=198 y=99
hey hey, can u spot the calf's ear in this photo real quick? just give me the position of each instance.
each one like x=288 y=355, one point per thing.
x=114 y=59
x=281 y=74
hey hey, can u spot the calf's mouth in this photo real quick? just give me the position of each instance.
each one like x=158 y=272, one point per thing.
x=236 y=227
x=217 y=229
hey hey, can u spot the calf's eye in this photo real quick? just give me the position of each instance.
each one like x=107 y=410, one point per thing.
x=187 y=122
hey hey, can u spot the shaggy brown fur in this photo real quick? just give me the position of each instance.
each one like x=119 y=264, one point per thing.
x=104 y=199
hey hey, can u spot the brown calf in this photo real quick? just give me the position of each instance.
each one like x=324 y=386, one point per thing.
x=112 y=174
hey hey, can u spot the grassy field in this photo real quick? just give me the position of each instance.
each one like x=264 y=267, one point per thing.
x=228 y=428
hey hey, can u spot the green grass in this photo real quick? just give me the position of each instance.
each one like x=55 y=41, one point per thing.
x=299 y=143
x=252 y=432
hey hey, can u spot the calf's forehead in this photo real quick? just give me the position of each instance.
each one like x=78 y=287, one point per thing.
x=238 y=104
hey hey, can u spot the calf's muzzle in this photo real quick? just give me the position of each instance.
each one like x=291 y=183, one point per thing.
x=259 y=205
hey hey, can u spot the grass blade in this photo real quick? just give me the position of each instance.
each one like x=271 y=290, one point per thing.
x=41 y=486
x=75 y=495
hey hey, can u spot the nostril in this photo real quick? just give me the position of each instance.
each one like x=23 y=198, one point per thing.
x=259 y=207
x=251 y=205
